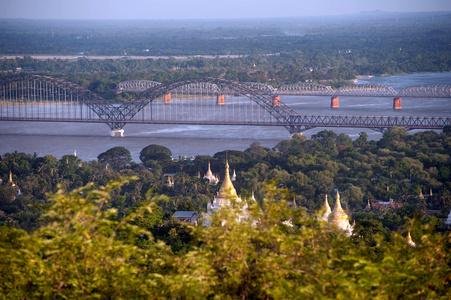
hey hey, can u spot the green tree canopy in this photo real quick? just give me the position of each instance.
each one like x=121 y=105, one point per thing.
x=256 y=151
x=155 y=152
x=117 y=157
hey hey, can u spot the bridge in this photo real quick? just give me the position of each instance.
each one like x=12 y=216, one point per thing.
x=208 y=101
x=312 y=89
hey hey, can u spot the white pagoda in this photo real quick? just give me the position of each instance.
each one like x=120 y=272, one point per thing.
x=213 y=180
x=338 y=216
x=224 y=197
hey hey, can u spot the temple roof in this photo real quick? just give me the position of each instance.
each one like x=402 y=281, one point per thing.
x=326 y=206
x=409 y=239
x=209 y=173
x=338 y=214
x=227 y=189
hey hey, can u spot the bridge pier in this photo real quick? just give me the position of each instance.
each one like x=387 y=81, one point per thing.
x=334 y=102
x=397 y=103
x=276 y=101
x=120 y=131
x=220 y=100
x=167 y=98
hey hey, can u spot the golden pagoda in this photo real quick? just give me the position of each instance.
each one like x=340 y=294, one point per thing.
x=409 y=240
x=226 y=194
x=293 y=203
x=327 y=208
x=227 y=190
x=11 y=178
x=213 y=180
x=421 y=195
x=368 y=205
x=170 y=181
x=339 y=218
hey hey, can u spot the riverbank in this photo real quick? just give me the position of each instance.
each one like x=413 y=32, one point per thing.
x=125 y=57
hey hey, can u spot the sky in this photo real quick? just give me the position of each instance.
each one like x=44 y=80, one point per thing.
x=205 y=9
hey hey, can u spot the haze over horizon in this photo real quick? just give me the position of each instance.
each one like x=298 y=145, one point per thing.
x=205 y=9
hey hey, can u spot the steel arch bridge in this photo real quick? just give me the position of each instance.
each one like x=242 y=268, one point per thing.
x=209 y=101
x=313 y=89
x=135 y=85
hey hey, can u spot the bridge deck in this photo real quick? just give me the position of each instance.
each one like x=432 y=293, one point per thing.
x=309 y=121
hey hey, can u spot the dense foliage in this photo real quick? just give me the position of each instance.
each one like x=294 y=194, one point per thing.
x=398 y=167
x=82 y=250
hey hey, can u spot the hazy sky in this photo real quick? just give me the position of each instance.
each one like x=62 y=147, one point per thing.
x=200 y=9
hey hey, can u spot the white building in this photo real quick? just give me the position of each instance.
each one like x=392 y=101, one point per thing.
x=213 y=180
x=226 y=195
x=337 y=217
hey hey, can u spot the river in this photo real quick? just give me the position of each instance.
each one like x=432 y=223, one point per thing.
x=89 y=140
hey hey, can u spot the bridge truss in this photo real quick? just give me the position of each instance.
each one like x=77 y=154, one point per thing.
x=313 y=89
x=197 y=101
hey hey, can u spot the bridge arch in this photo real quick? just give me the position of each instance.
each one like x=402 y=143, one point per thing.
x=135 y=86
x=366 y=90
x=31 y=88
x=307 y=89
x=261 y=86
x=426 y=91
x=281 y=113
x=84 y=94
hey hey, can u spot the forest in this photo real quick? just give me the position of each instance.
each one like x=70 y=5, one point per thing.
x=72 y=228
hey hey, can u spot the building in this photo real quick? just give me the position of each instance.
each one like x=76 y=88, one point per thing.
x=213 y=180
x=224 y=198
x=234 y=175
x=186 y=216
x=409 y=240
x=448 y=220
x=328 y=210
x=337 y=217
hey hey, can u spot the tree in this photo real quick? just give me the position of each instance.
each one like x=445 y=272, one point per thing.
x=117 y=157
x=155 y=152
x=150 y=218
x=327 y=138
x=361 y=140
x=343 y=140
x=353 y=195
x=393 y=134
x=256 y=151
x=81 y=251
x=367 y=229
x=234 y=156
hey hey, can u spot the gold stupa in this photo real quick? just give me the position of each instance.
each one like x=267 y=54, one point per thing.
x=339 y=217
x=227 y=190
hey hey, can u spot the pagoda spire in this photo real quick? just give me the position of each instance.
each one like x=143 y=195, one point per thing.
x=227 y=189
x=409 y=240
x=338 y=207
x=209 y=174
x=327 y=206
x=294 y=205
x=11 y=178
x=339 y=217
x=213 y=180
